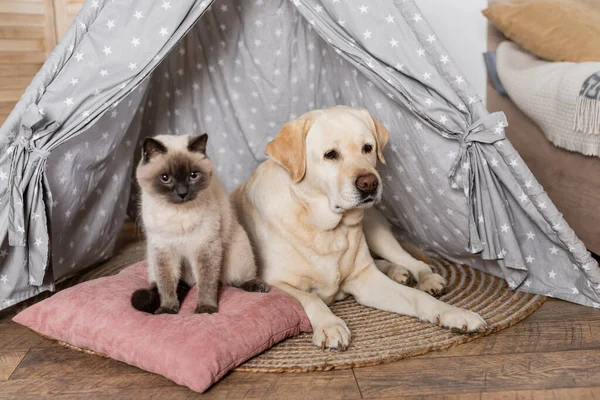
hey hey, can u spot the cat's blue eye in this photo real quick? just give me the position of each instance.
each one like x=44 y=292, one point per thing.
x=194 y=176
x=164 y=178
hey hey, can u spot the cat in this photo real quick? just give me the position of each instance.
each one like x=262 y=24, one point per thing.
x=193 y=235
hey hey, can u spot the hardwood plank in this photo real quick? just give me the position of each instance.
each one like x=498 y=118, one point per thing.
x=87 y=385
x=17 y=337
x=54 y=362
x=50 y=26
x=21 y=19
x=19 y=69
x=21 y=32
x=9 y=360
x=20 y=57
x=554 y=309
x=171 y=393
x=438 y=376
x=11 y=95
x=247 y=385
x=15 y=82
x=591 y=393
x=21 y=45
x=22 y=7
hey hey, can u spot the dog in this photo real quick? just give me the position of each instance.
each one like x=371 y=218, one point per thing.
x=309 y=213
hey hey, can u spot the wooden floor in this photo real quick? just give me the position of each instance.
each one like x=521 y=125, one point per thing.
x=554 y=354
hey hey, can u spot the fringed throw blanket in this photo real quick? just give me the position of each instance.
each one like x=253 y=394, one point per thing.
x=562 y=98
x=587 y=117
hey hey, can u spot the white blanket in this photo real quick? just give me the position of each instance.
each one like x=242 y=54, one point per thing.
x=549 y=94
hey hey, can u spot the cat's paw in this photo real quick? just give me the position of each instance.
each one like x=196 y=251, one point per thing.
x=166 y=310
x=255 y=285
x=205 y=309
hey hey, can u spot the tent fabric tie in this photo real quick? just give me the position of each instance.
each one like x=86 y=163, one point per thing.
x=26 y=169
x=485 y=131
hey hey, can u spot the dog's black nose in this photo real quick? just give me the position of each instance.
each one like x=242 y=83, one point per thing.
x=367 y=184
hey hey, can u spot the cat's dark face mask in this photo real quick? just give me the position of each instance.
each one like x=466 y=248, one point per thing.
x=182 y=176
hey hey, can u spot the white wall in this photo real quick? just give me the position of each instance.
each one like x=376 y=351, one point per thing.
x=461 y=27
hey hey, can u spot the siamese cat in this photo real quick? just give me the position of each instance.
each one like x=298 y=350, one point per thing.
x=192 y=232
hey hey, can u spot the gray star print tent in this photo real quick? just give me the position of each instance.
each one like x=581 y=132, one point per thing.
x=239 y=70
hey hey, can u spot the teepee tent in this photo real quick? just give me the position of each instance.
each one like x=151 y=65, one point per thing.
x=239 y=70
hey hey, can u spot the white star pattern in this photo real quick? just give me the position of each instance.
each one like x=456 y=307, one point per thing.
x=79 y=56
x=363 y=9
x=523 y=197
x=4 y=278
x=529 y=259
x=394 y=42
x=135 y=42
x=417 y=18
x=138 y=15
x=367 y=34
x=110 y=24
x=554 y=250
x=389 y=19
x=68 y=101
x=552 y=274
x=163 y=31
x=103 y=72
x=107 y=50
x=504 y=228
x=166 y=5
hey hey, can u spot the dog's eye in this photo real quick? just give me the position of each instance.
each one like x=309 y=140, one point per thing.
x=331 y=155
x=367 y=148
x=194 y=176
x=164 y=178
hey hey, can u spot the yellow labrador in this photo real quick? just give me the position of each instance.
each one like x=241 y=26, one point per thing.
x=308 y=213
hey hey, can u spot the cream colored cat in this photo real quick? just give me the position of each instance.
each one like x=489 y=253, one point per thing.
x=192 y=232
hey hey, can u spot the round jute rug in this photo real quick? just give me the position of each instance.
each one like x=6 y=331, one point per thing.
x=382 y=337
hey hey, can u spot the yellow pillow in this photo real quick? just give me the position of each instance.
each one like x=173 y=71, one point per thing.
x=556 y=30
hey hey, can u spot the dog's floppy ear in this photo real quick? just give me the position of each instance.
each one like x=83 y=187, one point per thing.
x=380 y=133
x=288 y=149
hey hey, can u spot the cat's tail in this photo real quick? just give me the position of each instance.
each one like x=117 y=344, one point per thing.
x=148 y=300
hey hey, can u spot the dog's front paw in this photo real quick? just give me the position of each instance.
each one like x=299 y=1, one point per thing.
x=332 y=335
x=460 y=320
x=433 y=283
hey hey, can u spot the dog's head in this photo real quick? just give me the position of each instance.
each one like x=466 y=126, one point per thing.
x=334 y=151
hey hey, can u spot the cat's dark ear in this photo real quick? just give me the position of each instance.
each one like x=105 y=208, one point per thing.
x=198 y=143
x=152 y=147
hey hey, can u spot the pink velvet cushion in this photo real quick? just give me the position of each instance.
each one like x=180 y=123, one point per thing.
x=194 y=350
